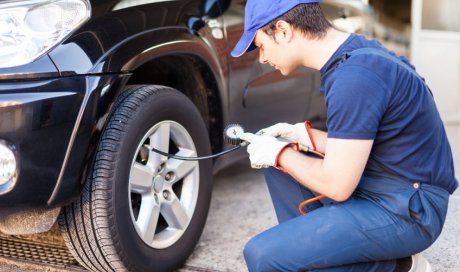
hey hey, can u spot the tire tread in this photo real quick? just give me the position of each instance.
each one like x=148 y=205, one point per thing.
x=88 y=223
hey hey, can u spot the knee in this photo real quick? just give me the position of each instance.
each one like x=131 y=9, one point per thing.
x=257 y=255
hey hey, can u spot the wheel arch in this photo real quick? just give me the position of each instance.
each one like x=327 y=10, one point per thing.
x=192 y=76
x=132 y=59
x=174 y=57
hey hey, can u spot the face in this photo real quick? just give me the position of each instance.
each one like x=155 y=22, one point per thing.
x=276 y=53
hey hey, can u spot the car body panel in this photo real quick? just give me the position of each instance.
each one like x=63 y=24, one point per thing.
x=41 y=68
x=111 y=39
x=37 y=118
x=100 y=95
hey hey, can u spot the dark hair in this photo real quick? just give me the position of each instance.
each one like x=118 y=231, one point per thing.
x=308 y=18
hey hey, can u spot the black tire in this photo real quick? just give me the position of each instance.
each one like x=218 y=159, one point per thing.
x=101 y=228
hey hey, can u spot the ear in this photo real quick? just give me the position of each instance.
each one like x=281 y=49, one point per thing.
x=284 y=30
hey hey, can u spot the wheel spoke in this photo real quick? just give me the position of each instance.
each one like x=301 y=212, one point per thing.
x=182 y=168
x=159 y=140
x=174 y=213
x=148 y=218
x=141 y=178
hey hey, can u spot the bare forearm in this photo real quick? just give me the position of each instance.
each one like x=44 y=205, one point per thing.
x=320 y=139
x=308 y=171
x=337 y=175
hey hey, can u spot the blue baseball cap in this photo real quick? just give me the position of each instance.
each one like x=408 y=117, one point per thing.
x=258 y=13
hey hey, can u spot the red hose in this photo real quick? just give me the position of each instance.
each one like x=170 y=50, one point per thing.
x=313 y=199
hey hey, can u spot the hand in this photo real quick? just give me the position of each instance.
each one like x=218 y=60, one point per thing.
x=265 y=150
x=298 y=133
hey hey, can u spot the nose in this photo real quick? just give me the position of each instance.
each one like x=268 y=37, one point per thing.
x=262 y=58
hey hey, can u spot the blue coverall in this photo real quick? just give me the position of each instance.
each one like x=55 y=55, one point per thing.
x=400 y=204
x=385 y=219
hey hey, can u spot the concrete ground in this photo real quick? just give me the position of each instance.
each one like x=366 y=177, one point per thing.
x=241 y=208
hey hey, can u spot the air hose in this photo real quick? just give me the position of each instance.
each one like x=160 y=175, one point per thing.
x=232 y=135
x=195 y=158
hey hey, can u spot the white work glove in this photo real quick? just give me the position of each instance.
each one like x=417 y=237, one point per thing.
x=299 y=133
x=265 y=150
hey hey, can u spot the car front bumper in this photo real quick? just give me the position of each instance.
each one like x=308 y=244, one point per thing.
x=52 y=124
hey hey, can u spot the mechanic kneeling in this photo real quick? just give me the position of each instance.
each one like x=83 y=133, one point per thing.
x=387 y=171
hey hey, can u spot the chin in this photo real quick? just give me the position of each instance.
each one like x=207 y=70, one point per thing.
x=285 y=72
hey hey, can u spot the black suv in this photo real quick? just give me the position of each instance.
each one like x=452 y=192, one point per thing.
x=88 y=88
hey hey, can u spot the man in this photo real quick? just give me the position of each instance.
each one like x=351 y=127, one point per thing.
x=387 y=171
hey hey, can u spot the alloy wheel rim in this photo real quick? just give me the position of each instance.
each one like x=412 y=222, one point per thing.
x=163 y=192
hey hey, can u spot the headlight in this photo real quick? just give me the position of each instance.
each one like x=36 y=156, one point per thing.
x=30 y=28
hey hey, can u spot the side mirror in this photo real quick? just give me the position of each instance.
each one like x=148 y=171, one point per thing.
x=214 y=8
x=210 y=9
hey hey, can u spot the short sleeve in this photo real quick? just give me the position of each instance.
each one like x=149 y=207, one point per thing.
x=356 y=101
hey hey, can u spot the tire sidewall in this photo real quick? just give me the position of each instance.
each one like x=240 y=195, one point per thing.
x=165 y=105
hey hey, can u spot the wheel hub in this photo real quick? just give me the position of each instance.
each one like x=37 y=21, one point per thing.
x=158 y=183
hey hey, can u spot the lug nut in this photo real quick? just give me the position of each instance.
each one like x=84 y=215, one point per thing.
x=166 y=194
x=169 y=176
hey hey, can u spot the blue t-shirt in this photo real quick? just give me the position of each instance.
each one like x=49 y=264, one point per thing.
x=369 y=96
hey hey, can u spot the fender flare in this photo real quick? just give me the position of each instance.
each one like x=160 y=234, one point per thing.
x=132 y=53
